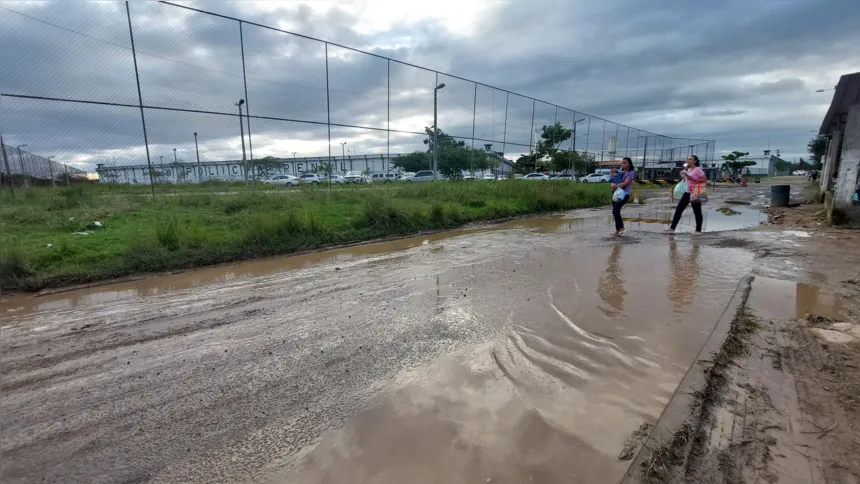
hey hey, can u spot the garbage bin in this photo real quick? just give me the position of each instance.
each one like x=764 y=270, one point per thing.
x=779 y=195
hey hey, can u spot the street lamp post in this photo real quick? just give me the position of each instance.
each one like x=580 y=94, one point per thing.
x=342 y=152
x=196 y=148
x=174 y=156
x=51 y=170
x=21 y=161
x=436 y=130
x=242 y=134
x=161 y=160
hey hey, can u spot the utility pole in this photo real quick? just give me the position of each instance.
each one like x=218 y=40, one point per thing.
x=174 y=156
x=436 y=127
x=242 y=134
x=196 y=148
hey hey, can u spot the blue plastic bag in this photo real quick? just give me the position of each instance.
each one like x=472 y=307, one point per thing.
x=680 y=189
x=619 y=194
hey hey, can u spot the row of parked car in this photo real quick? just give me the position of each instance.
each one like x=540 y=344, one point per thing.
x=418 y=177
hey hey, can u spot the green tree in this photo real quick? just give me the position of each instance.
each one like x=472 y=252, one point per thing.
x=415 y=161
x=566 y=160
x=552 y=138
x=734 y=164
x=781 y=166
x=817 y=147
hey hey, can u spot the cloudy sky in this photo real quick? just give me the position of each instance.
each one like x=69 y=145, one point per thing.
x=741 y=73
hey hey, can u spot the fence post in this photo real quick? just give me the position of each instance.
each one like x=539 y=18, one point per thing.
x=328 y=110
x=505 y=132
x=139 y=100
x=474 y=113
x=532 y=132
x=8 y=171
x=245 y=83
x=388 y=123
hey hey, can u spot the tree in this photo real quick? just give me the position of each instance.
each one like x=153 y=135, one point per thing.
x=551 y=139
x=817 y=147
x=415 y=161
x=566 y=160
x=781 y=166
x=734 y=163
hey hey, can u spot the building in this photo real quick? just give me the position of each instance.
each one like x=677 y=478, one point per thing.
x=840 y=172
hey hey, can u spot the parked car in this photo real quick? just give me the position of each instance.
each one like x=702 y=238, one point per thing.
x=284 y=180
x=595 y=178
x=488 y=177
x=335 y=179
x=469 y=176
x=407 y=174
x=537 y=176
x=799 y=173
x=563 y=177
x=420 y=177
x=384 y=177
x=311 y=178
x=356 y=177
x=518 y=177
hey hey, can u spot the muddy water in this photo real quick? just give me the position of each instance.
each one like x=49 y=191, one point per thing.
x=526 y=354
x=596 y=348
x=776 y=298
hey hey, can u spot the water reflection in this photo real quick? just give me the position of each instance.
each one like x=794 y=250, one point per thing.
x=610 y=286
x=683 y=281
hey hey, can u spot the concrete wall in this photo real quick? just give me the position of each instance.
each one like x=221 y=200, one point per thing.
x=830 y=161
x=849 y=164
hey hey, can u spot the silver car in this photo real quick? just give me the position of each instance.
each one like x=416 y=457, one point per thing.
x=284 y=180
x=420 y=177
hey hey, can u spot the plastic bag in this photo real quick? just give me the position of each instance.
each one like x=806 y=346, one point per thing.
x=619 y=194
x=680 y=188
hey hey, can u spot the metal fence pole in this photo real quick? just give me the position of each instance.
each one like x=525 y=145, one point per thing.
x=474 y=114
x=532 y=132
x=8 y=171
x=245 y=83
x=328 y=112
x=140 y=100
x=388 y=125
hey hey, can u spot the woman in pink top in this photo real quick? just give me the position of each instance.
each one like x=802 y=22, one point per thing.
x=696 y=179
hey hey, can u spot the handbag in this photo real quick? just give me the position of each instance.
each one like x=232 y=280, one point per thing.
x=619 y=194
x=680 y=188
x=697 y=194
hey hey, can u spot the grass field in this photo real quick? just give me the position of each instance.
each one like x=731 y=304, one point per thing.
x=192 y=226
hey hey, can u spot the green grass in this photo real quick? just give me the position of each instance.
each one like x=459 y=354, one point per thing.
x=190 y=226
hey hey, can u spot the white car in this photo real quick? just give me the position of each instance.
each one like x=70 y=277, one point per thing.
x=420 y=177
x=563 y=177
x=595 y=178
x=311 y=178
x=537 y=176
x=384 y=177
x=799 y=173
x=356 y=177
x=488 y=177
x=284 y=180
x=335 y=179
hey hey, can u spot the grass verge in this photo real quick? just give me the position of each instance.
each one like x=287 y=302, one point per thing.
x=43 y=244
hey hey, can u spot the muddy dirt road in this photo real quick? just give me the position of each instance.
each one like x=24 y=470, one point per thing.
x=525 y=352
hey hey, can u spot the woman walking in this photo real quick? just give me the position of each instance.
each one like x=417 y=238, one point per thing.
x=626 y=184
x=696 y=181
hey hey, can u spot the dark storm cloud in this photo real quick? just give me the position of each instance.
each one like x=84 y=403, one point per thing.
x=679 y=68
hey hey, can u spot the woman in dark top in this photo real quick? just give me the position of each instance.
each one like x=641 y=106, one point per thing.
x=626 y=184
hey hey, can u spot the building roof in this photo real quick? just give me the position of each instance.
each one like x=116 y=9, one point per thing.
x=847 y=94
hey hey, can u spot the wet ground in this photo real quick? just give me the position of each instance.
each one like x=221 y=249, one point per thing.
x=525 y=352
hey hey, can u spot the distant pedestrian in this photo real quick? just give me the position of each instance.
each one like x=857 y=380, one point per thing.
x=696 y=181
x=626 y=184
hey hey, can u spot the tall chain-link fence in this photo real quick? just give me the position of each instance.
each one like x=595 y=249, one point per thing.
x=159 y=92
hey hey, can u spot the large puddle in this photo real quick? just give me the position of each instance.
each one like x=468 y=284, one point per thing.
x=644 y=218
x=592 y=344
